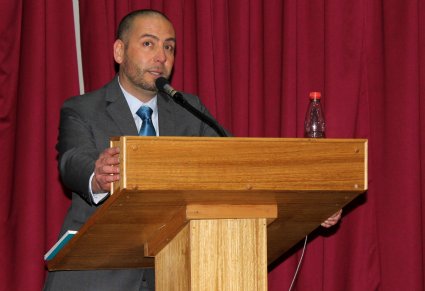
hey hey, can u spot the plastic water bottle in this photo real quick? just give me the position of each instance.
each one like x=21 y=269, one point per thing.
x=314 y=123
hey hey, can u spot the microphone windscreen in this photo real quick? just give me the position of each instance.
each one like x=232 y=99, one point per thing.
x=160 y=83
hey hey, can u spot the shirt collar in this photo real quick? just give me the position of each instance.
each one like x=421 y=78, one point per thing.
x=135 y=103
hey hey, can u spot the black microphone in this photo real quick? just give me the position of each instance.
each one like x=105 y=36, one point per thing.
x=162 y=84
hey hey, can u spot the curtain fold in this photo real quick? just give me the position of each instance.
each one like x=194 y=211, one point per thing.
x=253 y=64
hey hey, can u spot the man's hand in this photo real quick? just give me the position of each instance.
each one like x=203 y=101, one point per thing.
x=331 y=221
x=106 y=170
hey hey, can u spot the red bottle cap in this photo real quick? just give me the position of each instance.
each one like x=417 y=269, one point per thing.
x=315 y=95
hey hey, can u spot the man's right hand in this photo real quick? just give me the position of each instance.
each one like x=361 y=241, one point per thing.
x=106 y=170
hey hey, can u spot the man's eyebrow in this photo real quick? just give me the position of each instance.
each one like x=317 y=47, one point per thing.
x=157 y=38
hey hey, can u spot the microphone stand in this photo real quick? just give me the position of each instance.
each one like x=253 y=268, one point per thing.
x=179 y=99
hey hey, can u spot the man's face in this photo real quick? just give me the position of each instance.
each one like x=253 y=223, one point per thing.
x=146 y=53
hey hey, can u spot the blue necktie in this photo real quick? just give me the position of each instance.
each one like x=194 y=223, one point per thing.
x=147 y=129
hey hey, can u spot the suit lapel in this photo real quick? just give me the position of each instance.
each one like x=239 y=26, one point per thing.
x=166 y=117
x=118 y=109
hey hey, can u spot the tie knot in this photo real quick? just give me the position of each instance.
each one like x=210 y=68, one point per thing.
x=144 y=112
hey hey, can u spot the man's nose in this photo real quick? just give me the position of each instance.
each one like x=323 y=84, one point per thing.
x=160 y=55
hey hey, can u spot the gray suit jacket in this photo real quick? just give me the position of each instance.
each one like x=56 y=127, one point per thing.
x=87 y=123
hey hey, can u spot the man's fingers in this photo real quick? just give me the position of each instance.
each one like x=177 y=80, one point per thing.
x=105 y=181
x=108 y=162
x=108 y=170
x=112 y=151
x=331 y=221
x=112 y=160
x=111 y=178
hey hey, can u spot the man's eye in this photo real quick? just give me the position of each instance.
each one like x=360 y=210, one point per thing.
x=169 y=48
x=147 y=43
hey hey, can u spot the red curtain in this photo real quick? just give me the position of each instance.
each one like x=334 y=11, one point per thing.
x=37 y=73
x=253 y=64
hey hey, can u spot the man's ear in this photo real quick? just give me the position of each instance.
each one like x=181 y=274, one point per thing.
x=119 y=51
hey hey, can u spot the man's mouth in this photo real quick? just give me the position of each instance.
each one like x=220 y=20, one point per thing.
x=156 y=73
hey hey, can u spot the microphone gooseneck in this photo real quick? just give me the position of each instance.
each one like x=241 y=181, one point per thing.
x=163 y=85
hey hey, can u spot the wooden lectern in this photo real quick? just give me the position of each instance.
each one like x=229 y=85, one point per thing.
x=212 y=213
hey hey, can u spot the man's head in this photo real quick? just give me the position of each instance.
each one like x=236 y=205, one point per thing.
x=144 y=50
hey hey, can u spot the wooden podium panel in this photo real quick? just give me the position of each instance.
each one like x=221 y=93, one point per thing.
x=169 y=181
x=222 y=254
x=243 y=164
